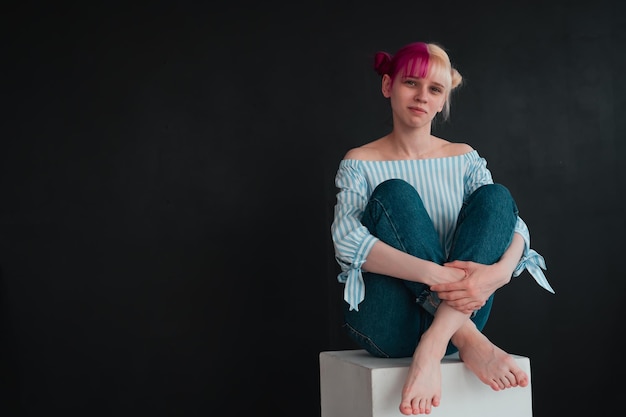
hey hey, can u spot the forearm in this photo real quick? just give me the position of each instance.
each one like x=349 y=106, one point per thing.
x=387 y=260
x=481 y=280
x=511 y=257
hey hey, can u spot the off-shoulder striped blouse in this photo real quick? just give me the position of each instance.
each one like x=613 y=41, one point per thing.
x=443 y=184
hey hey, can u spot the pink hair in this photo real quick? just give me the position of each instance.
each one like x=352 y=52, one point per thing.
x=418 y=59
x=411 y=59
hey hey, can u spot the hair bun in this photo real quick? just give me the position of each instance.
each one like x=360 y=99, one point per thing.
x=381 y=63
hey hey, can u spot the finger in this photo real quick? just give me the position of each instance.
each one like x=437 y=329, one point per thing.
x=449 y=295
x=459 y=295
x=450 y=286
x=457 y=264
x=464 y=306
x=461 y=304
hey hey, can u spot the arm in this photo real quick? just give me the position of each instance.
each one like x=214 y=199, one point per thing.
x=529 y=259
x=483 y=280
x=480 y=280
x=387 y=260
x=356 y=249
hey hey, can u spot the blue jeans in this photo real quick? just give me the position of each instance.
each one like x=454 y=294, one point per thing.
x=395 y=313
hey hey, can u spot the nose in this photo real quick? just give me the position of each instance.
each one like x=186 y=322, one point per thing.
x=420 y=95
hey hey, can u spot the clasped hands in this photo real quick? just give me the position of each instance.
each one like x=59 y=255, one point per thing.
x=471 y=292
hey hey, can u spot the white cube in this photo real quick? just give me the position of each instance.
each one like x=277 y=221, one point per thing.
x=355 y=384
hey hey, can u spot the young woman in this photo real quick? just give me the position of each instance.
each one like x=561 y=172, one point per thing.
x=424 y=237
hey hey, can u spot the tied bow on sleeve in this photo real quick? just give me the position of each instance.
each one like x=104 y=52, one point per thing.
x=534 y=263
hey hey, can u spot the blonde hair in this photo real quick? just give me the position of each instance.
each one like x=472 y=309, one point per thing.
x=419 y=60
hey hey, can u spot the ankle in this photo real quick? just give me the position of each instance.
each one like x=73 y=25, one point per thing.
x=431 y=345
x=465 y=335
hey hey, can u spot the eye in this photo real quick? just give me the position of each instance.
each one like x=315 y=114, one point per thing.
x=437 y=90
x=410 y=82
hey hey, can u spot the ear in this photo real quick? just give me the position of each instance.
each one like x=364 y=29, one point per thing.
x=386 y=86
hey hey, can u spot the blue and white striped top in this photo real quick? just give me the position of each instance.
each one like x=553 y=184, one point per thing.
x=443 y=184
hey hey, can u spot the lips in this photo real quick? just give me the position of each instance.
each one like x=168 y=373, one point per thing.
x=417 y=110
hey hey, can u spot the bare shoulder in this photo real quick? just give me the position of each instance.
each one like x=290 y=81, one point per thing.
x=456 y=149
x=367 y=152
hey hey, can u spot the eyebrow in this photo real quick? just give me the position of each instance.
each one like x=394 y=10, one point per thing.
x=422 y=78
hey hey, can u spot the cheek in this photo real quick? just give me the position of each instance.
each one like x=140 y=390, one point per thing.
x=442 y=103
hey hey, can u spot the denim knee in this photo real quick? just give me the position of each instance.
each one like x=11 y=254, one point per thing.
x=493 y=195
x=394 y=186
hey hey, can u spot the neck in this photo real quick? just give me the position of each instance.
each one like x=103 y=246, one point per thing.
x=414 y=146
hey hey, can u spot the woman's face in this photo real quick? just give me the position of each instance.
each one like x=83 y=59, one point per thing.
x=415 y=101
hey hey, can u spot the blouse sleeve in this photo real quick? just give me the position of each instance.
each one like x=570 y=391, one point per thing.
x=478 y=174
x=352 y=241
x=531 y=260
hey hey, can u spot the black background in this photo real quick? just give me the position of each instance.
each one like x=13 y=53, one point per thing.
x=167 y=192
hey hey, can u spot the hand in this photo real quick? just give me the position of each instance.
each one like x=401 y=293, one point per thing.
x=471 y=293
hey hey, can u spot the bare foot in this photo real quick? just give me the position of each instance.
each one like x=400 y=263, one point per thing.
x=492 y=365
x=422 y=388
